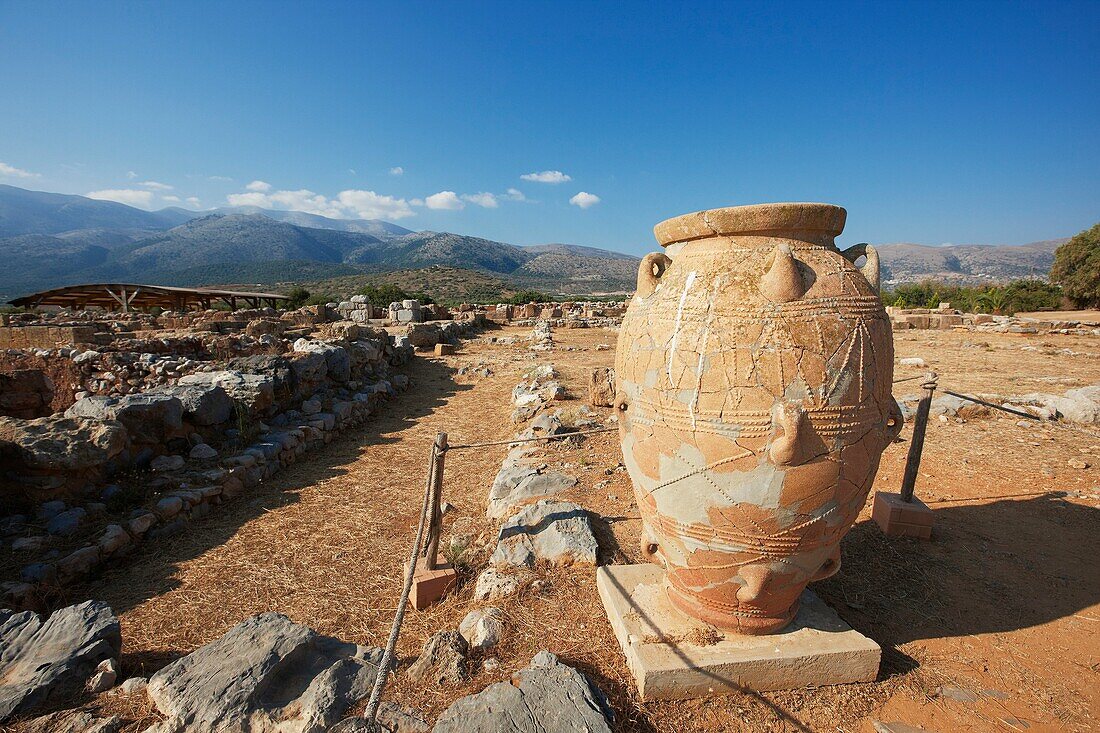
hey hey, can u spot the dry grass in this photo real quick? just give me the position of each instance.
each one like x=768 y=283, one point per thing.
x=992 y=602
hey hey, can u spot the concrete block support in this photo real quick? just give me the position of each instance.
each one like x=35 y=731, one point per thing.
x=898 y=518
x=675 y=657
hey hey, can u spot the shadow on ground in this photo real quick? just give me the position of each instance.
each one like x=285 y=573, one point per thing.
x=995 y=567
x=151 y=571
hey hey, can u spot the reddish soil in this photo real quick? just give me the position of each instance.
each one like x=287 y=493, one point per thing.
x=993 y=625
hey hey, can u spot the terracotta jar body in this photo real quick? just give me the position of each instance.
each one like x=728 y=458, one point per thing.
x=754 y=372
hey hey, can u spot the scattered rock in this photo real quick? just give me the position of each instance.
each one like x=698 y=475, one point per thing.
x=912 y=361
x=202 y=452
x=46 y=662
x=265 y=675
x=601 y=387
x=881 y=727
x=482 y=628
x=443 y=660
x=106 y=673
x=556 y=531
x=494 y=584
x=1078 y=463
x=546 y=696
x=400 y=719
x=73 y=721
x=63 y=443
x=134 y=685
x=67 y=522
x=508 y=492
x=167 y=463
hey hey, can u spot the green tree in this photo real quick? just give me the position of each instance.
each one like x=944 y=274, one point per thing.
x=297 y=297
x=384 y=294
x=1077 y=268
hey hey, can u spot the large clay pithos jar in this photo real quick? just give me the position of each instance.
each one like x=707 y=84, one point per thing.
x=754 y=369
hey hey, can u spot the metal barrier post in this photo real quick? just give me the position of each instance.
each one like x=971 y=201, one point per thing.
x=916 y=445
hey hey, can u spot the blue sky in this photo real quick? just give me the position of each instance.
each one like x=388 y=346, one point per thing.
x=929 y=122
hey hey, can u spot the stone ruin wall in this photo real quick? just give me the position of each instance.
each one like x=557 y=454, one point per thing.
x=945 y=317
x=147 y=423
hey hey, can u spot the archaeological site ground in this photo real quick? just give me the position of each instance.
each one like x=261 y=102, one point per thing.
x=208 y=519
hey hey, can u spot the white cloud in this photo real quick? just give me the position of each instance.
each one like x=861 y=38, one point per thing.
x=484 y=200
x=397 y=171
x=585 y=200
x=157 y=186
x=416 y=202
x=223 y=179
x=131 y=175
x=129 y=196
x=258 y=186
x=370 y=205
x=13 y=172
x=514 y=194
x=444 y=200
x=547 y=177
x=194 y=201
x=173 y=199
x=352 y=171
x=347 y=204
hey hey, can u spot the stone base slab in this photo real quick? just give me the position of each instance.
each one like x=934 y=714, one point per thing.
x=899 y=518
x=673 y=656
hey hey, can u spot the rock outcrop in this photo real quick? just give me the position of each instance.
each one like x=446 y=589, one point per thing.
x=265 y=675
x=545 y=696
x=47 y=662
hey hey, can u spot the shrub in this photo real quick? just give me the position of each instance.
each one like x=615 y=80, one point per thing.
x=1077 y=267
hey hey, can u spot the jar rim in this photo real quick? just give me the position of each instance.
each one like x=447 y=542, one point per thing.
x=752 y=219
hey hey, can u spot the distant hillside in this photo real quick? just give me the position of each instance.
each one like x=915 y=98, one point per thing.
x=51 y=240
x=966 y=263
x=48 y=240
x=39 y=212
x=374 y=227
x=445 y=284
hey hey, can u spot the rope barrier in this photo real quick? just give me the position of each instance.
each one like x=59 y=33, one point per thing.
x=464 y=446
x=399 y=617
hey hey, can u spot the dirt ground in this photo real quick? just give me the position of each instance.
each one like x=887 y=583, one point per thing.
x=994 y=625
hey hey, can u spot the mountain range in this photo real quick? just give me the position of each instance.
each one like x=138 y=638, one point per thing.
x=50 y=239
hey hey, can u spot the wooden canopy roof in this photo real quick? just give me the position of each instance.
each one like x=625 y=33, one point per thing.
x=134 y=296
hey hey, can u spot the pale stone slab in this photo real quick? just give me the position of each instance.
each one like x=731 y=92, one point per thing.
x=673 y=656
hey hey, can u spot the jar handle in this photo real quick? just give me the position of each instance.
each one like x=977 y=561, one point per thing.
x=650 y=270
x=870 y=270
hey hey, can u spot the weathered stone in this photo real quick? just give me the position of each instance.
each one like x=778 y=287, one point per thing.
x=73 y=721
x=106 y=672
x=62 y=443
x=601 y=387
x=482 y=628
x=149 y=417
x=46 y=662
x=337 y=360
x=78 y=563
x=167 y=463
x=169 y=507
x=67 y=522
x=556 y=531
x=442 y=661
x=256 y=391
x=494 y=584
x=531 y=486
x=203 y=404
x=202 y=452
x=545 y=696
x=114 y=539
x=265 y=675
